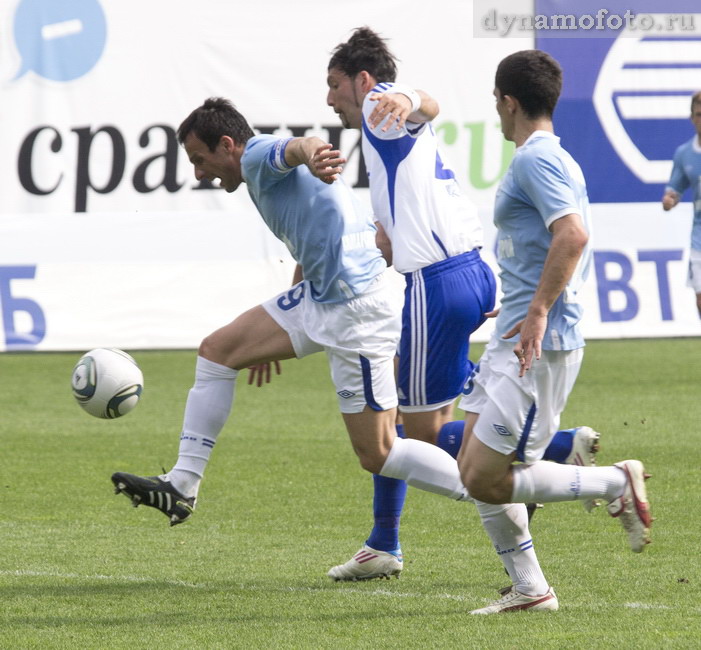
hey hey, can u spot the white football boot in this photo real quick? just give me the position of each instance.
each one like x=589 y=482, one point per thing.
x=632 y=507
x=515 y=601
x=367 y=564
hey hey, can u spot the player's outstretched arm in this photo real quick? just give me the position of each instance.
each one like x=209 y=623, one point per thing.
x=323 y=161
x=402 y=104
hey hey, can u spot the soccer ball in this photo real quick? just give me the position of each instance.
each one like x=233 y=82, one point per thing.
x=107 y=383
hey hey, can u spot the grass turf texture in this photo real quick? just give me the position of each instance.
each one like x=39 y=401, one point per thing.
x=285 y=499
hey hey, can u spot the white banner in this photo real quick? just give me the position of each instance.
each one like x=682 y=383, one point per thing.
x=106 y=238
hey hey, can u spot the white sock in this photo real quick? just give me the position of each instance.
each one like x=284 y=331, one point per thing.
x=545 y=482
x=206 y=411
x=426 y=467
x=507 y=527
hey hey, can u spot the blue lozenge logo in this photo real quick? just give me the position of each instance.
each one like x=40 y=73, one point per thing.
x=59 y=40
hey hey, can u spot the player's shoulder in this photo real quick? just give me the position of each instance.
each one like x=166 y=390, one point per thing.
x=544 y=156
x=379 y=87
x=411 y=129
x=535 y=152
x=260 y=141
x=266 y=153
x=686 y=148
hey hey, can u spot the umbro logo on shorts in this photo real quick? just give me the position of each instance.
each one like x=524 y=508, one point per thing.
x=501 y=430
x=345 y=394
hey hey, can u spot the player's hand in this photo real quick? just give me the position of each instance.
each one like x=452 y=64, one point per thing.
x=261 y=373
x=492 y=314
x=394 y=106
x=669 y=200
x=326 y=164
x=532 y=331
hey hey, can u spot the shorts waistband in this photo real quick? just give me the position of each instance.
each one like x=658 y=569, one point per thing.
x=464 y=259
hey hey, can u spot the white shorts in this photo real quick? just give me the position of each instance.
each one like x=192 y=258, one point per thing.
x=694 y=279
x=360 y=337
x=519 y=414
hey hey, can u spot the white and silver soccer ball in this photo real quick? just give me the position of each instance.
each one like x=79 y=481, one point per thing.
x=107 y=383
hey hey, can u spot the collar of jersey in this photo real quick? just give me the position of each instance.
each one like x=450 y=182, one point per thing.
x=537 y=135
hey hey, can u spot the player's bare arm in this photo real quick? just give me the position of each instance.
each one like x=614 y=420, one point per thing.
x=321 y=159
x=670 y=199
x=400 y=109
x=568 y=242
x=383 y=242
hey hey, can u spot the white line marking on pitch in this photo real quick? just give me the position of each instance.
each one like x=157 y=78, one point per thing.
x=78 y=576
x=345 y=590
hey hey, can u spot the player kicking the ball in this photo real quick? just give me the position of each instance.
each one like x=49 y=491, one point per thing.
x=345 y=307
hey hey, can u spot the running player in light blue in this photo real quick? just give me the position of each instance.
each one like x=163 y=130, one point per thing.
x=435 y=236
x=344 y=307
x=530 y=365
x=686 y=173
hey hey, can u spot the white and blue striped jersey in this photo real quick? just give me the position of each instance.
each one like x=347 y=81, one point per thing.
x=686 y=172
x=415 y=196
x=542 y=184
x=325 y=228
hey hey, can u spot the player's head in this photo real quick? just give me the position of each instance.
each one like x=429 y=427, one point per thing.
x=215 y=118
x=364 y=50
x=696 y=111
x=695 y=101
x=533 y=79
x=214 y=136
x=356 y=66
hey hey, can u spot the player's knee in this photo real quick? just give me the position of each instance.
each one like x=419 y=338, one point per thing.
x=371 y=460
x=215 y=348
x=371 y=463
x=208 y=348
x=481 y=488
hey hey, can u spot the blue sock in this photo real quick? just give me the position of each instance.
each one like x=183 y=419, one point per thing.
x=450 y=437
x=387 y=506
x=560 y=446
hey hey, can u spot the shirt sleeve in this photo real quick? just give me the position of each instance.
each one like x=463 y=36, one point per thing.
x=263 y=161
x=678 y=181
x=548 y=185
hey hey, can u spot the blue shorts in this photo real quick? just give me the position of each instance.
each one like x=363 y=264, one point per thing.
x=443 y=304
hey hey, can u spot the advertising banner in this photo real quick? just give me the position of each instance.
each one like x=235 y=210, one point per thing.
x=107 y=239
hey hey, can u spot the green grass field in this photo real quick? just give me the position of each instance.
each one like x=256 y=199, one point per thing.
x=284 y=499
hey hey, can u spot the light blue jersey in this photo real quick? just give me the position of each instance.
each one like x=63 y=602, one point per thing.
x=686 y=172
x=543 y=183
x=325 y=228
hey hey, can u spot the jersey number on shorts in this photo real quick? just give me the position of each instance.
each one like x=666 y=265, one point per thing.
x=292 y=299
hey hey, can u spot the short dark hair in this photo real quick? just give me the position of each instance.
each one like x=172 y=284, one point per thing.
x=532 y=77
x=365 y=50
x=695 y=99
x=215 y=118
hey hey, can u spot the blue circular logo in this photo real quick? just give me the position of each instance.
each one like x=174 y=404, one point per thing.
x=59 y=40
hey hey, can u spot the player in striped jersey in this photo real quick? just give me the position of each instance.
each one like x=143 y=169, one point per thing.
x=435 y=236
